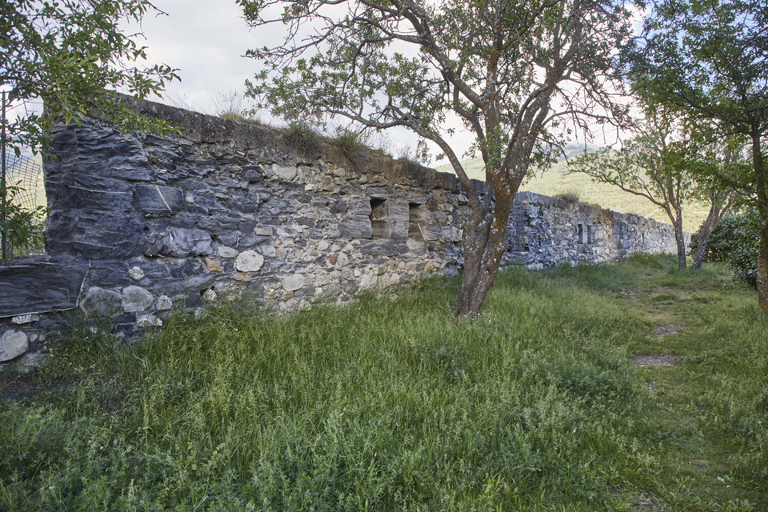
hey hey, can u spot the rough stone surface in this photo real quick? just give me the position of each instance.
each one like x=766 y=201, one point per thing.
x=249 y=261
x=29 y=362
x=25 y=319
x=139 y=223
x=98 y=302
x=293 y=283
x=164 y=303
x=136 y=273
x=12 y=345
x=136 y=299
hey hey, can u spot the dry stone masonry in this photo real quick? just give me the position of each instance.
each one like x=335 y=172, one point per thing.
x=141 y=224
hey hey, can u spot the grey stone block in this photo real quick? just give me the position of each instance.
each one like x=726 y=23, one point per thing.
x=13 y=344
x=355 y=226
x=98 y=302
x=159 y=200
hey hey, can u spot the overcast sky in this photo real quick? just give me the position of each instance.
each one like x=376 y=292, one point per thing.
x=207 y=45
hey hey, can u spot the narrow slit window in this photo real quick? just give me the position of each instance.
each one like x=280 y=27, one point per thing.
x=581 y=233
x=379 y=218
x=415 y=222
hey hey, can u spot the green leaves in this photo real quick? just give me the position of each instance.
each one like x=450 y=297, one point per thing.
x=69 y=54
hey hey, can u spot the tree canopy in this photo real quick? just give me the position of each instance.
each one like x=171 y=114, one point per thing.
x=708 y=59
x=518 y=74
x=69 y=53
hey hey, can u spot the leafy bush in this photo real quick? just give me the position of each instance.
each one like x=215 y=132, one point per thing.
x=735 y=241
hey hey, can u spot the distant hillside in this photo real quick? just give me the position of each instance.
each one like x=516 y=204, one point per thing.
x=554 y=182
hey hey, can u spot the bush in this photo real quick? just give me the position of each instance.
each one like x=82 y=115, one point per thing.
x=735 y=241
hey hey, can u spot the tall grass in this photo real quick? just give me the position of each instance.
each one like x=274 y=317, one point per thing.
x=375 y=406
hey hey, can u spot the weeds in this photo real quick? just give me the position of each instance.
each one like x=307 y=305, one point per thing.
x=302 y=137
x=385 y=405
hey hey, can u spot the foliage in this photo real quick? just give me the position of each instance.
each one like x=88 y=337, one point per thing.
x=68 y=53
x=707 y=58
x=381 y=405
x=649 y=166
x=302 y=136
x=502 y=68
x=735 y=241
x=22 y=226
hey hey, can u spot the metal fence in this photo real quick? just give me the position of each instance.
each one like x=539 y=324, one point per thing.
x=26 y=175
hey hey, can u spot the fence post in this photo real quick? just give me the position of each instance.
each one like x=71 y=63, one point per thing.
x=3 y=190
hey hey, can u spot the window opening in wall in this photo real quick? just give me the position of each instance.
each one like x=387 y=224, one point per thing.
x=379 y=218
x=415 y=222
x=581 y=233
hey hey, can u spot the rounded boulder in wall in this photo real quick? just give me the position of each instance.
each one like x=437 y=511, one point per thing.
x=13 y=344
x=249 y=261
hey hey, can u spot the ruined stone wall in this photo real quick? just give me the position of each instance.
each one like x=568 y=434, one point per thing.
x=546 y=231
x=141 y=224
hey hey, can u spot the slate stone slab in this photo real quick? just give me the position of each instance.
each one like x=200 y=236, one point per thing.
x=39 y=287
x=159 y=200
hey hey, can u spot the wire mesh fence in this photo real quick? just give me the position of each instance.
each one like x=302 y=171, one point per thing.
x=25 y=193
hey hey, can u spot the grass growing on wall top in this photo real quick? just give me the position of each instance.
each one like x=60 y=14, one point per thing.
x=384 y=405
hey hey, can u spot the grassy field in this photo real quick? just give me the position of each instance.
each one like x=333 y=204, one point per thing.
x=554 y=182
x=541 y=403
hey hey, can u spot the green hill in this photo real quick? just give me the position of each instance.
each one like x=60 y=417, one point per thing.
x=555 y=182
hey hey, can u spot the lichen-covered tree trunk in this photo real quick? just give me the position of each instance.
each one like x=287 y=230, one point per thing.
x=484 y=246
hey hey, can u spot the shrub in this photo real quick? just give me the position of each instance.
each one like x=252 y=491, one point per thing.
x=735 y=241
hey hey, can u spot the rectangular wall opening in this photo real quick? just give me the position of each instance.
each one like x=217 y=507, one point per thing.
x=415 y=222
x=379 y=218
x=581 y=233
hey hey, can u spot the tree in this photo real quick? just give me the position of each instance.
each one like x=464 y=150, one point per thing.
x=68 y=53
x=645 y=166
x=670 y=163
x=513 y=72
x=708 y=58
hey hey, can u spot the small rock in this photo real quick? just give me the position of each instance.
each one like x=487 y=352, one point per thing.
x=249 y=261
x=33 y=337
x=210 y=295
x=212 y=265
x=293 y=282
x=25 y=319
x=12 y=345
x=269 y=251
x=29 y=362
x=136 y=299
x=99 y=302
x=241 y=277
x=136 y=273
x=227 y=252
x=164 y=303
x=148 y=321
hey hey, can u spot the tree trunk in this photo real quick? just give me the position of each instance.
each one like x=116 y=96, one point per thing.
x=680 y=239
x=484 y=242
x=762 y=269
x=677 y=222
x=704 y=232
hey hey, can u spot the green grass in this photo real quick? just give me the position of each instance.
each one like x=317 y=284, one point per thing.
x=384 y=405
x=554 y=182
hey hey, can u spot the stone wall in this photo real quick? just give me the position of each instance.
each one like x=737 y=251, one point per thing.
x=546 y=231
x=141 y=224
